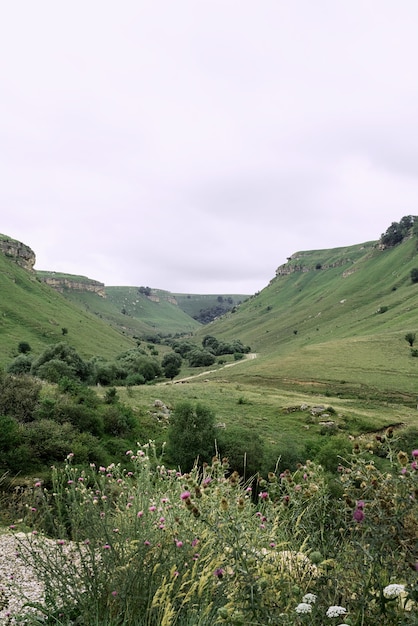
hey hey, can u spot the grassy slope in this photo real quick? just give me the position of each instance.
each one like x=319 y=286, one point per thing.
x=143 y=316
x=340 y=336
x=193 y=303
x=33 y=312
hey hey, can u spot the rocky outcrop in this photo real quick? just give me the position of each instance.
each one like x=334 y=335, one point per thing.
x=65 y=282
x=18 y=252
x=291 y=267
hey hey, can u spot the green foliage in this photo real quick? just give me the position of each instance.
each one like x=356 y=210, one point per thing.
x=20 y=365
x=19 y=396
x=150 y=547
x=23 y=347
x=171 y=364
x=410 y=338
x=397 y=231
x=191 y=435
x=200 y=358
x=65 y=362
x=243 y=448
x=414 y=275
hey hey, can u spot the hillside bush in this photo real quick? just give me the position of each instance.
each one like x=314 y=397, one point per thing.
x=200 y=358
x=20 y=365
x=148 y=546
x=64 y=359
x=191 y=435
x=19 y=396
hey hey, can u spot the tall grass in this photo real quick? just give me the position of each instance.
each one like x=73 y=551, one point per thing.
x=152 y=546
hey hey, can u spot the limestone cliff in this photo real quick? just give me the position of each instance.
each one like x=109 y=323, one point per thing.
x=64 y=282
x=18 y=252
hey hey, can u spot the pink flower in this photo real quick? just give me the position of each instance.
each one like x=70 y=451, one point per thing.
x=179 y=544
x=185 y=495
x=415 y=454
x=106 y=546
x=414 y=465
x=38 y=483
x=152 y=508
x=219 y=572
x=358 y=515
x=140 y=513
x=263 y=495
x=114 y=593
x=147 y=543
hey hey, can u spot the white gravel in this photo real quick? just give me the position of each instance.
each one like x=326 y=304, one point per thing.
x=18 y=582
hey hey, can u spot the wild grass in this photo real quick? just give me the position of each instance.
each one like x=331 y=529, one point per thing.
x=151 y=546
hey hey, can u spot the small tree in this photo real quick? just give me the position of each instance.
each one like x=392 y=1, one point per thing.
x=410 y=338
x=191 y=435
x=414 y=275
x=24 y=347
x=171 y=364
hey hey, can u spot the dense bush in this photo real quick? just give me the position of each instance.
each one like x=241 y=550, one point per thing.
x=191 y=435
x=20 y=365
x=200 y=358
x=64 y=358
x=19 y=396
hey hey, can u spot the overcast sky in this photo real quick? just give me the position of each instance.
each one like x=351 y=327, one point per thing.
x=193 y=145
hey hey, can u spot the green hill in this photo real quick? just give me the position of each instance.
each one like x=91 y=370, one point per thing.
x=142 y=311
x=33 y=312
x=333 y=318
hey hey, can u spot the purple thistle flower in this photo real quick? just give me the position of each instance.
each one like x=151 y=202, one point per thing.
x=185 y=495
x=358 y=515
x=219 y=572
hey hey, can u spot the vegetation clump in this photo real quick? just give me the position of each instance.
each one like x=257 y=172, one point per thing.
x=148 y=545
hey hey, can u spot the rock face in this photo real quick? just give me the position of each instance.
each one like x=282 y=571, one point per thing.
x=18 y=252
x=64 y=282
x=301 y=266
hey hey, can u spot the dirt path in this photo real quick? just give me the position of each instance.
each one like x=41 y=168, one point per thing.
x=250 y=356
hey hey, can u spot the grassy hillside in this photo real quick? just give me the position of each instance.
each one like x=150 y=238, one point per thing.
x=130 y=311
x=197 y=305
x=335 y=317
x=34 y=312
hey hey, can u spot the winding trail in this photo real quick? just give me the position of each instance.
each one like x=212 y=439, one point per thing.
x=250 y=356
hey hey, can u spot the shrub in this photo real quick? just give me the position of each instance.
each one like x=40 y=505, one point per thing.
x=200 y=358
x=414 y=275
x=19 y=396
x=20 y=365
x=74 y=364
x=23 y=347
x=191 y=435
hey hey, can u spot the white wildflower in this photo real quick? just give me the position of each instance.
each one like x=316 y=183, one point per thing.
x=393 y=591
x=336 y=611
x=303 y=607
x=309 y=598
